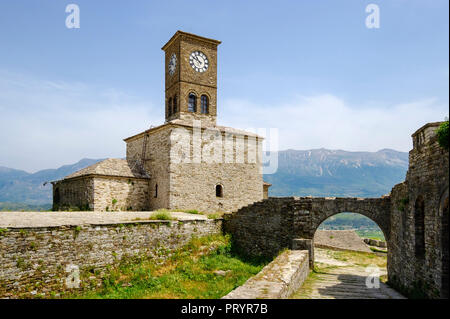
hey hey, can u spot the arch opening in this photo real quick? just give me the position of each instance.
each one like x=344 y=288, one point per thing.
x=361 y=226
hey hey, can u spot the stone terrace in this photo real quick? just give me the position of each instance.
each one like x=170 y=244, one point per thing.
x=53 y=219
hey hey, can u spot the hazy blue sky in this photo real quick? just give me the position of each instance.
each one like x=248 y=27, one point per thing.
x=309 y=68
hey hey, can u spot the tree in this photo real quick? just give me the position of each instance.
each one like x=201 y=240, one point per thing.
x=443 y=137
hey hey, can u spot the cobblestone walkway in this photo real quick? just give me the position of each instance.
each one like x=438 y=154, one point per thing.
x=340 y=280
x=49 y=219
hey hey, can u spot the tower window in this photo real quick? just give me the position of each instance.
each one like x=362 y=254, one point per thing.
x=192 y=105
x=419 y=223
x=156 y=190
x=175 y=104
x=219 y=190
x=170 y=107
x=204 y=104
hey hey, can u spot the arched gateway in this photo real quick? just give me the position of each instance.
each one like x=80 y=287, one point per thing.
x=266 y=227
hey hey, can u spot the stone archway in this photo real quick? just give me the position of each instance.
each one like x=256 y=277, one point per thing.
x=376 y=209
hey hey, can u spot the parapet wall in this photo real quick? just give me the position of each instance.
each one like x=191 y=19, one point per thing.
x=279 y=279
x=41 y=260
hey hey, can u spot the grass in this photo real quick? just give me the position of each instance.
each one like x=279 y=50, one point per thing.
x=187 y=274
x=371 y=234
x=358 y=258
x=160 y=215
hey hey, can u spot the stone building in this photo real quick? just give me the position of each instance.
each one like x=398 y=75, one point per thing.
x=189 y=162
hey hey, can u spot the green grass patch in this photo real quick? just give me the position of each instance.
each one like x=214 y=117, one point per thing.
x=187 y=274
x=371 y=234
x=160 y=215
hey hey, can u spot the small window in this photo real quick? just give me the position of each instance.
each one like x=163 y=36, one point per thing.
x=419 y=223
x=169 y=107
x=156 y=190
x=192 y=105
x=204 y=104
x=219 y=191
x=175 y=105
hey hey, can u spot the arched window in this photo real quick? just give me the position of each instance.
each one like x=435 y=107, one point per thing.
x=419 y=223
x=156 y=190
x=445 y=247
x=192 y=105
x=169 y=106
x=204 y=104
x=175 y=104
x=219 y=190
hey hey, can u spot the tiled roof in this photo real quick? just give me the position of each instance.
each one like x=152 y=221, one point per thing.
x=112 y=167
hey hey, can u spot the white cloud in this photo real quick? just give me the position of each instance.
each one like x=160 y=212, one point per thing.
x=328 y=121
x=46 y=124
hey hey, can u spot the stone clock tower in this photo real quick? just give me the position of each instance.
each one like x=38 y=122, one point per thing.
x=191 y=78
x=163 y=169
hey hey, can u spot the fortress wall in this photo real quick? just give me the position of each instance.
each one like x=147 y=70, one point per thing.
x=41 y=260
x=427 y=179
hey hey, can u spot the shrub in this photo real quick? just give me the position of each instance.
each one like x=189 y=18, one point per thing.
x=443 y=137
x=192 y=211
x=162 y=216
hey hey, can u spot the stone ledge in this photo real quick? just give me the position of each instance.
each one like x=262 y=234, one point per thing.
x=277 y=280
x=57 y=219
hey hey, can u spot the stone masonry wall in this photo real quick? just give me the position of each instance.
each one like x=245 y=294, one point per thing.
x=193 y=184
x=156 y=164
x=39 y=260
x=427 y=180
x=76 y=193
x=266 y=227
x=120 y=194
x=279 y=279
x=102 y=193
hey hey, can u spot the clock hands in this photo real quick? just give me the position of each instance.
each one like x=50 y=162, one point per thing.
x=199 y=61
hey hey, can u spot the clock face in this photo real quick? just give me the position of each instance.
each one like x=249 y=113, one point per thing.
x=199 y=61
x=172 y=64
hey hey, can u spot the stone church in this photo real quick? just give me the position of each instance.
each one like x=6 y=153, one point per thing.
x=189 y=162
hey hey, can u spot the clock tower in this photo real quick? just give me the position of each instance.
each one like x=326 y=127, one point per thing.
x=191 y=78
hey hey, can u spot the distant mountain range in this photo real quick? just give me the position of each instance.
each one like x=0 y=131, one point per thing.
x=318 y=172
x=323 y=172
x=22 y=190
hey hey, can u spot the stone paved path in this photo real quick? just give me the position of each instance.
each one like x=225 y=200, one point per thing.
x=48 y=219
x=342 y=281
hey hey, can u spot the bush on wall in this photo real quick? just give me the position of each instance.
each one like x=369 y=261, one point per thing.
x=442 y=133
